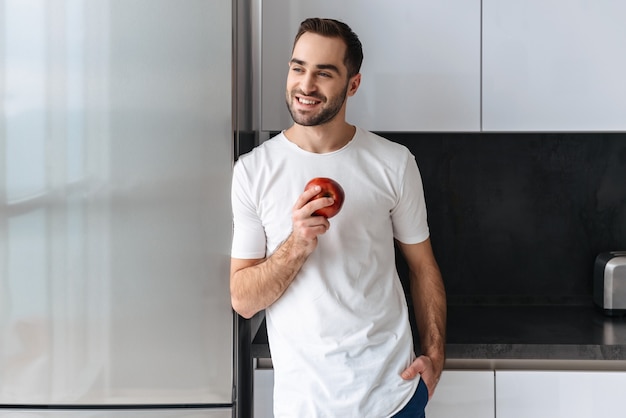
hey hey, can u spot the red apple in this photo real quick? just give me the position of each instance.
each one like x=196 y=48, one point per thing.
x=330 y=188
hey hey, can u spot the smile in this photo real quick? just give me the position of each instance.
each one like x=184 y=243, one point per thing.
x=306 y=101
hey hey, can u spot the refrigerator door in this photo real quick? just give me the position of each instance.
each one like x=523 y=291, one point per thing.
x=115 y=223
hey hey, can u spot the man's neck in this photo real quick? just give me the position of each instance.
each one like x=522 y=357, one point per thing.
x=321 y=139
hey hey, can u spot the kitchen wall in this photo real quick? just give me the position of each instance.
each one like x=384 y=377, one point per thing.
x=520 y=217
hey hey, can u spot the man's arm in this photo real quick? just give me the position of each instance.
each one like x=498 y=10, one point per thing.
x=429 y=301
x=257 y=283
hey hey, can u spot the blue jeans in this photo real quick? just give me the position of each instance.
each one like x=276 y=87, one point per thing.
x=417 y=404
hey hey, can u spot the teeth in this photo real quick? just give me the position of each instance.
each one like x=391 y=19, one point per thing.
x=305 y=101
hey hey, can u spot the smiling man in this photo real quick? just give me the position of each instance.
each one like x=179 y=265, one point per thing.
x=308 y=105
x=337 y=319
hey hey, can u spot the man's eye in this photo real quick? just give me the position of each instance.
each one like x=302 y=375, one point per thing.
x=326 y=75
x=296 y=69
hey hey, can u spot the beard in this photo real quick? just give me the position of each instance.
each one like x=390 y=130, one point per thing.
x=329 y=110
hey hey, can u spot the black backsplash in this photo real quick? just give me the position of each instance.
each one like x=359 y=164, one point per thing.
x=520 y=218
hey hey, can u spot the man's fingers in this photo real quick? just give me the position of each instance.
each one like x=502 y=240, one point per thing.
x=420 y=366
x=306 y=196
x=416 y=368
x=305 y=207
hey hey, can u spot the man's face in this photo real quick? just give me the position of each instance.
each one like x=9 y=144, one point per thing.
x=317 y=83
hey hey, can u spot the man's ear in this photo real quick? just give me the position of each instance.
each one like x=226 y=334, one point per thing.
x=354 y=84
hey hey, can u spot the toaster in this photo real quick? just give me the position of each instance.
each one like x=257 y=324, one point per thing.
x=609 y=282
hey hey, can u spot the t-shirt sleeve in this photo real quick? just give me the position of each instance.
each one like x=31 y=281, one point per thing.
x=409 y=217
x=248 y=233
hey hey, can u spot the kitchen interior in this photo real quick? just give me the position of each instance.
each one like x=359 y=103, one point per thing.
x=119 y=124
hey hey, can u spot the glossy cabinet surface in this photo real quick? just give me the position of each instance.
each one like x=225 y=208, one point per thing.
x=467 y=393
x=463 y=393
x=263 y=393
x=560 y=394
x=115 y=162
x=421 y=68
x=553 y=65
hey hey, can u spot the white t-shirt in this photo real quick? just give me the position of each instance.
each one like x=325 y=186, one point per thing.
x=340 y=335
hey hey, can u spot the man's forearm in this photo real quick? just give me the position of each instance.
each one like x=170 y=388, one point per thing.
x=429 y=299
x=256 y=287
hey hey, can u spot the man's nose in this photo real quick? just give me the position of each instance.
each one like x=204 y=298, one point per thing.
x=307 y=84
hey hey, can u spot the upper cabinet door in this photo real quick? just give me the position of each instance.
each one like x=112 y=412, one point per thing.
x=421 y=70
x=554 y=65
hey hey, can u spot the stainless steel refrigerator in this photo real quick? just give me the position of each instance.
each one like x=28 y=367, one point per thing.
x=116 y=151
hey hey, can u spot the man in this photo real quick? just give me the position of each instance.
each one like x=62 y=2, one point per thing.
x=337 y=318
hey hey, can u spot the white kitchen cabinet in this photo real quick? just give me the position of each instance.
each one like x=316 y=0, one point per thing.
x=560 y=394
x=421 y=70
x=463 y=393
x=467 y=393
x=554 y=65
x=263 y=393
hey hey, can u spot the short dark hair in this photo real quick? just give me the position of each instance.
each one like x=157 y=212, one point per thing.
x=335 y=29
